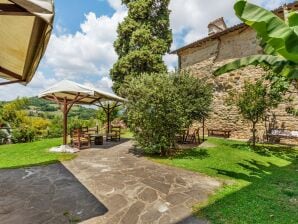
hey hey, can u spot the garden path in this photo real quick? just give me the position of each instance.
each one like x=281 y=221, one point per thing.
x=137 y=190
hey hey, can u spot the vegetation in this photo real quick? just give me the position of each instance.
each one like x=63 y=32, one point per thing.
x=31 y=154
x=143 y=38
x=160 y=105
x=278 y=38
x=254 y=102
x=30 y=119
x=261 y=182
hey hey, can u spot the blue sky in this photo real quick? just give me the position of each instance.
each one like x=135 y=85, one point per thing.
x=81 y=46
x=71 y=21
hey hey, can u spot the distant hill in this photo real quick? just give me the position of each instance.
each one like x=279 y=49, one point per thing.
x=44 y=108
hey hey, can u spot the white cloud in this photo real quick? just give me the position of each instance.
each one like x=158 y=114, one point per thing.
x=87 y=55
x=87 y=52
x=190 y=18
x=104 y=84
x=39 y=83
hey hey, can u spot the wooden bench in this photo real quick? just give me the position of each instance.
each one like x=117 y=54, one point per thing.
x=219 y=133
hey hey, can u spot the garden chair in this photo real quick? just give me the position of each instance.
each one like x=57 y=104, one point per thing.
x=80 y=140
x=114 y=134
x=192 y=136
x=181 y=136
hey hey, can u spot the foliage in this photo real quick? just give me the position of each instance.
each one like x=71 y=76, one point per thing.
x=31 y=154
x=25 y=128
x=3 y=137
x=14 y=113
x=160 y=105
x=143 y=38
x=83 y=113
x=255 y=100
x=278 y=38
x=260 y=182
x=75 y=123
x=55 y=128
x=115 y=114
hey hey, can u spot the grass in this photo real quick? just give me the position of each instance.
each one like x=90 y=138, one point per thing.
x=31 y=154
x=265 y=181
x=127 y=134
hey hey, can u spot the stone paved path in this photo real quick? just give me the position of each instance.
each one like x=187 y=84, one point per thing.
x=43 y=194
x=136 y=190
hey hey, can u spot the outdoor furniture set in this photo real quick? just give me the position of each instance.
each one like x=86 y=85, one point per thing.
x=84 y=137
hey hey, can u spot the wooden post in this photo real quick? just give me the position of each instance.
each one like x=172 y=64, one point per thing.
x=65 y=112
x=65 y=107
x=109 y=117
x=203 y=129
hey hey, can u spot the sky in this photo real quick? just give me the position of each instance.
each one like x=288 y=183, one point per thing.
x=81 y=45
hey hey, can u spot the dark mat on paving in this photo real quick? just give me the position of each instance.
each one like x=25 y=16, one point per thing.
x=45 y=194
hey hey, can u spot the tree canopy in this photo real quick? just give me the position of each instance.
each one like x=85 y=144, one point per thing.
x=160 y=105
x=143 y=38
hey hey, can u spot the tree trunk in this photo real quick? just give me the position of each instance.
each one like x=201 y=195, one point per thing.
x=254 y=134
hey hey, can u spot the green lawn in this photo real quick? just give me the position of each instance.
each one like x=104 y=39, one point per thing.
x=31 y=154
x=127 y=134
x=265 y=188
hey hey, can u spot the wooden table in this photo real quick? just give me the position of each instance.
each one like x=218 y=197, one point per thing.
x=219 y=133
x=97 y=139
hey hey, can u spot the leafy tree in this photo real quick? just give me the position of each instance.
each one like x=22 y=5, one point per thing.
x=102 y=116
x=279 y=40
x=14 y=113
x=56 y=127
x=160 y=105
x=25 y=128
x=253 y=103
x=143 y=38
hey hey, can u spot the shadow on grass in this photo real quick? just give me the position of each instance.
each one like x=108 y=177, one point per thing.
x=191 y=154
x=271 y=196
x=280 y=151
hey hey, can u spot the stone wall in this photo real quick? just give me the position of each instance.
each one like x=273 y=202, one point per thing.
x=203 y=60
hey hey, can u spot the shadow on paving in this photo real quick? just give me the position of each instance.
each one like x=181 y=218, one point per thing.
x=110 y=144
x=45 y=194
x=271 y=196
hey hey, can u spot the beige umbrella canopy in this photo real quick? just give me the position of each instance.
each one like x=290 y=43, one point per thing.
x=26 y=27
x=67 y=93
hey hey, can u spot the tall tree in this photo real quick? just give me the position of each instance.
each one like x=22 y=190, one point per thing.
x=143 y=38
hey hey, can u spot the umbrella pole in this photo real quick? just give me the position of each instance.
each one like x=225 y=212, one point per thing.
x=65 y=112
x=65 y=107
x=109 y=118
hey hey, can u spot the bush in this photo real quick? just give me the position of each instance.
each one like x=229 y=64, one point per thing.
x=23 y=134
x=3 y=137
x=160 y=105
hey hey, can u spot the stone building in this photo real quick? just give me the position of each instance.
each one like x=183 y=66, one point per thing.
x=222 y=45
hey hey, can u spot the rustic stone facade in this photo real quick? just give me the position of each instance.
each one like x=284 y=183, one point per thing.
x=203 y=57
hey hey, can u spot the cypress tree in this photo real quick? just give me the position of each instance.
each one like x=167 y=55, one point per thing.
x=143 y=38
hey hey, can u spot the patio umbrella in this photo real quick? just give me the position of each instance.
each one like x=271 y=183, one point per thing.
x=26 y=27
x=67 y=93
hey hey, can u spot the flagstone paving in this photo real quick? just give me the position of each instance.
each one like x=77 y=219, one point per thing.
x=107 y=185
x=45 y=195
x=136 y=190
